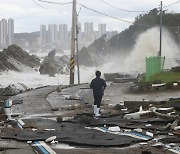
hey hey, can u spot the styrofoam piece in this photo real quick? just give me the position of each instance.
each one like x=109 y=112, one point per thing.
x=177 y=128
x=143 y=143
x=114 y=129
x=124 y=109
x=50 y=139
x=148 y=125
x=149 y=134
x=50 y=129
x=29 y=142
x=175 y=84
x=139 y=130
x=158 y=85
x=170 y=134
x=159 y=144
x=140 y=109
x=165 y=109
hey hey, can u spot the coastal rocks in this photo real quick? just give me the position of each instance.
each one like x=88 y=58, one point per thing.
x=119 y=78
x=13 y=89
x=92 y=55
x=54 y=65
x=15 y=58
x=49 y=68
x=150 y=87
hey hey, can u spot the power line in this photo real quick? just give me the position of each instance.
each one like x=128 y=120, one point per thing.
x=44 y=7
x=82 y=5
x=111 y=16
x=172 y=4
x=122 y=9
x=103 y=13
x=59 y=3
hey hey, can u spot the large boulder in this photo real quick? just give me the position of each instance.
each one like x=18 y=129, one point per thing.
x=49 y=68
x=13 y=89
x=14 y=57
x=54 y=65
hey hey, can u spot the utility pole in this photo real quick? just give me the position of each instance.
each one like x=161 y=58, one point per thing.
x=160 y=45
x=77 y=32
x=178 y=31
x=73 y=39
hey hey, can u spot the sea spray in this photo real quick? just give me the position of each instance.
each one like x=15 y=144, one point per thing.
x=147 y=44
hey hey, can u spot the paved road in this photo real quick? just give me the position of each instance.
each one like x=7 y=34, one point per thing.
x=40 y=102
x=34 y=102
x=120 y=92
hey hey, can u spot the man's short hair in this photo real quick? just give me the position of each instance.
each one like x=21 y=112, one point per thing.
x=98 y=73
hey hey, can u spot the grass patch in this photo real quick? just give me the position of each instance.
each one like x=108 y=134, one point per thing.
x=166 y=77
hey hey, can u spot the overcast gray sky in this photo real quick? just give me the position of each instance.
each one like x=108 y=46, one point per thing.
x=30 y=14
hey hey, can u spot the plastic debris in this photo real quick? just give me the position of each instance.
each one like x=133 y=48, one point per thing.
x=50 y=139
x=149 y=134
x=139 y=130
x=137 y=115
x=114 y=129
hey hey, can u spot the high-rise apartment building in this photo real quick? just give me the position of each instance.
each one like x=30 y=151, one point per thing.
x=43 y=34
x=10 y=31
x=89 y=32
x=3 y=33
x=63 y=32
x=52 y=33
x=6 y=32
x=101 y=29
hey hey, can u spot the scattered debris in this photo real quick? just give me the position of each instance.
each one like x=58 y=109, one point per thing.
x=50 y=139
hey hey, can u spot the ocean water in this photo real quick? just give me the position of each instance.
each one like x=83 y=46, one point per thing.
x=147 y=44
x=33 y=79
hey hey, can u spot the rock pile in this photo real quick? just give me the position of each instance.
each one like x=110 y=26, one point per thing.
x=14 y=57
x=54 y=65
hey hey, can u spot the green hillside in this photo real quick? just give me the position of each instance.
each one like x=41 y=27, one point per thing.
x=125 y=40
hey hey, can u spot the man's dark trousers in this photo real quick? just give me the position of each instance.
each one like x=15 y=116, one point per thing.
x=97 y=100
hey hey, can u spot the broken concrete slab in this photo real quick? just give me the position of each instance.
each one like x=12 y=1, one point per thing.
x=72 y=133
x=18 y=151
x=13 y=144
x=170 y=139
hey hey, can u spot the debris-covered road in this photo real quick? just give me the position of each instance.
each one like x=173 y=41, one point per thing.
x=60 y=119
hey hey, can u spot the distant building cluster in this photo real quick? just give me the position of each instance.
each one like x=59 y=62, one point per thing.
x=59 y=34
x=51 y=36
x=6 y=32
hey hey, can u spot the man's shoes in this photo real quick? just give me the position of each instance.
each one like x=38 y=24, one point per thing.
x=97 y=112
x=95 y=108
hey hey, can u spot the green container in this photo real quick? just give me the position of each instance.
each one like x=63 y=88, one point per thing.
x=154 y=65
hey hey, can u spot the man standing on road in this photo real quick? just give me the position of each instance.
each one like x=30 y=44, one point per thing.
x=98 y=85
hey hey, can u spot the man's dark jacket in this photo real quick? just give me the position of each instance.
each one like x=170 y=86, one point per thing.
x=98 y=85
